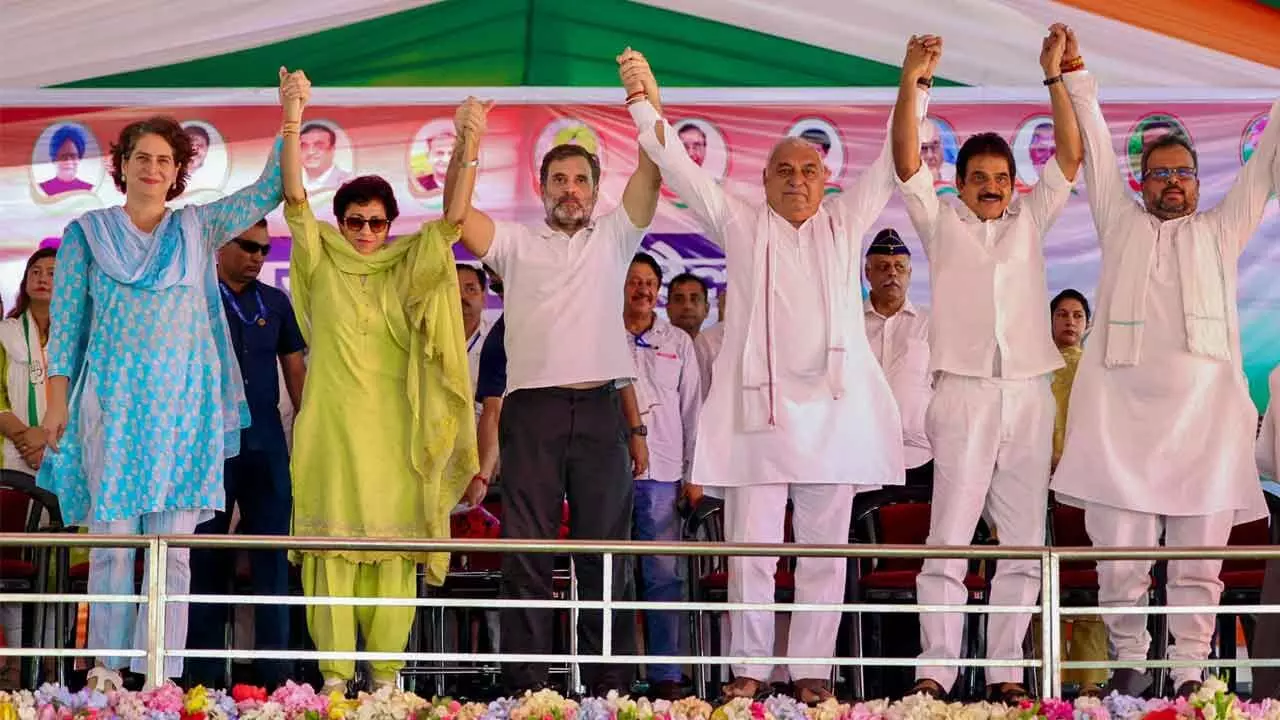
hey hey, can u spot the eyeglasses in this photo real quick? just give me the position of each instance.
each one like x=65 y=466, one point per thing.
x=252 y=247
x=355 y=223
x=1183 y=173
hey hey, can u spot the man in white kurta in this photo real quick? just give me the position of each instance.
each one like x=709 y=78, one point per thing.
x=798 y=407
x=1161 y=426
x=1266 y=635
x=991 y=419
x=898 y=332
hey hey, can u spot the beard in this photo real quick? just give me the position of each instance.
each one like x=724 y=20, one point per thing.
x=567 y=213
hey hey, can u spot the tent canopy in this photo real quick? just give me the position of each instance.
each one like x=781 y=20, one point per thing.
x=692 y=43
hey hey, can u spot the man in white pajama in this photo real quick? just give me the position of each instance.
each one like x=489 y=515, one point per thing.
x=991 y=419
x=798 y=409
x=1161 y=426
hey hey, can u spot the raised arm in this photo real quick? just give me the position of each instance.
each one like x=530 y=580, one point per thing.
x=1241 y=209
x=1069 y=148
x=295 y=91
x=1109 y=197
x=1053 y=190
x=713 y=206
x=913 y=176
x=917 y=73
x=476 y=228
x=640 y=197
x=228 y=217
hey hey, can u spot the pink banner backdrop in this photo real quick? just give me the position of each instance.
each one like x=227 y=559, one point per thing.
x=42 y=187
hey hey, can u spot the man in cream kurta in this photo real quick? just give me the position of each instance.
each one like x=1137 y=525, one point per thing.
x=1266 y=635
x=797 y=410
x=1161 y=425
x=991 y=419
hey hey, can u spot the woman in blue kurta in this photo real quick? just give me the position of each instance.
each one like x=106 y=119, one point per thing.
x=146 y=400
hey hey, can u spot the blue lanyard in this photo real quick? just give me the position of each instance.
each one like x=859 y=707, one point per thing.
x=641 y=342
x=260 y=320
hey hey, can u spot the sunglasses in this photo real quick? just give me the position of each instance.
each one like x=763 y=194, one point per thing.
x=252 y=247
x=1182 y=173
x=356 y=224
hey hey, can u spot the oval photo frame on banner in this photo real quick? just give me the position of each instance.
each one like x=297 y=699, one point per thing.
x=706 y=146
x=428 y=161
x=1033 y=147
x=939 y=148
x=328 y=160
x=825 y=136
x=1251 y=135
x=565 y=131
x=1149 y=128
x=210 y=166
x=69 y=174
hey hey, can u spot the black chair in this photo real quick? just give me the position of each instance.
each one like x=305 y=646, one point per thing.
x=900 y=516
x=26 y=508
x=708 y=579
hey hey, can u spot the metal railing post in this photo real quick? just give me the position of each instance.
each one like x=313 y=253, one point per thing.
x=575 y=668
x=606 y=614
x=1053 y=681
x=1048 y=628
x=157 y=566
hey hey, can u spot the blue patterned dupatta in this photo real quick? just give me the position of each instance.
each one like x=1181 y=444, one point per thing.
x=176 y=253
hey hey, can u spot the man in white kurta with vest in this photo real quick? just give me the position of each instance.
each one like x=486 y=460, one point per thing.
x=797 y=410
x=991 y=419
x=1161 y=426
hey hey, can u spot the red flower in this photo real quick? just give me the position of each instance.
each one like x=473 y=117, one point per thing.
x=241 y=693
x=1165 y=714
x=184 y=715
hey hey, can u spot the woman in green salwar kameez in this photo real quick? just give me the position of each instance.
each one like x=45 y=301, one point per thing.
x=384 y=443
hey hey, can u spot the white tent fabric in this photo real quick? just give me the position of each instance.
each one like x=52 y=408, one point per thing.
x=45 y=43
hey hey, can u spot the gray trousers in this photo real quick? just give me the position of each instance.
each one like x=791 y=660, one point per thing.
x=560 y=444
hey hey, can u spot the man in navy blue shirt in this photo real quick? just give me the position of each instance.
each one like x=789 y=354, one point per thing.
x=491 y=385
x=264 y=333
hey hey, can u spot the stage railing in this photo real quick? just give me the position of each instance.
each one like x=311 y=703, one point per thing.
x=1050 y=559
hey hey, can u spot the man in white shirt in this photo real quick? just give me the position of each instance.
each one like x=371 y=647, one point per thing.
x=990 y=422
x=1161 y=424
x=899 y=336
x=798 y=410
x=687 y=306
x=667 y=387
x=566 y=428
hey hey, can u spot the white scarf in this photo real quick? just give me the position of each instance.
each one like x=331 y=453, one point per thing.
x=759 y=355
x=1202 y=280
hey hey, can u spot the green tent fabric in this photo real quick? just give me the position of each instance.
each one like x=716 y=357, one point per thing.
x=524 y=42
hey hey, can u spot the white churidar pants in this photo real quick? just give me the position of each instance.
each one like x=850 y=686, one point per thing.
x=992 y=443
x=1124 y=583
x=820 y=516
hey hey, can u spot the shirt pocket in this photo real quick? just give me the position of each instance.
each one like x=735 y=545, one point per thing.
x=666 y=371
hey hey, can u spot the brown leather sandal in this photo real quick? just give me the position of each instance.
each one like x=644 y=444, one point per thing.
x=1008 y=693
x=742 y=687
x=931 y=688
x=812 y=691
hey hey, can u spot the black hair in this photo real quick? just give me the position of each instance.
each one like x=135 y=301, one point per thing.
x=480 y=276
x=987 y=143
x=361 y=190
x=687 y=277
x=564 y=152
x=1070 y=294
x=646 y=259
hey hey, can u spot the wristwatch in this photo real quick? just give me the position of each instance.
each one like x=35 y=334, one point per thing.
x=640 y=430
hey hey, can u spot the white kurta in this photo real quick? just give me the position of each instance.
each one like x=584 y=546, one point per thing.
x=1172 y=435
x=855 y=439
